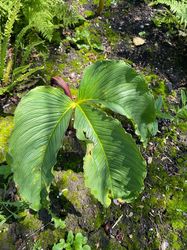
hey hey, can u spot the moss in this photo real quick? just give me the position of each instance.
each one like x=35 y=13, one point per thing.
x=160 y=212
x=48 y=237
x=44 y=237
x=113 y=37
x=6 y=241
x=53 y=69
x=6 y=126
x=71 y=186
x=30 y=221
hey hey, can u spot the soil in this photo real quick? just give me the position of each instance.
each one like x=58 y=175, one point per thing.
x=165 y=55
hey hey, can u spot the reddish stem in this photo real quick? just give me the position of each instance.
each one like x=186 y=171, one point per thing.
x=59 y=81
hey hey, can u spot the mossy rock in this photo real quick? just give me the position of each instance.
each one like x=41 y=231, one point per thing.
x=99 y=240
x=49 y=237
x=87 y=213
x=6 y=126
x=30 y=230
x=6 y=241
x=30 y=222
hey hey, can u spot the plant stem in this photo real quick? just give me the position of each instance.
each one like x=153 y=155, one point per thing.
x=100 y=7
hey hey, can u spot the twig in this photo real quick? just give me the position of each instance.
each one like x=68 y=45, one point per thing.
x=118 y=220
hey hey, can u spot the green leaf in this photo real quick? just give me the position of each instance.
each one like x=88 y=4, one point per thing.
x=5 y=170
x=3 y=219
x=182 y=113
x=183 y=97
x=59 y=246
x=58 y=223
x=3 y=90
x=86 y=247
x=70 y=237
x=41 y=120
x=158 y=103
x=78 y=241
x=117 y=86
x=6 y=127
x=113 y=165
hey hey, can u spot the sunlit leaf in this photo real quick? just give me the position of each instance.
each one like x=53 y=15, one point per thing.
x=41 y=120
x=113 y=165
x=117 y=86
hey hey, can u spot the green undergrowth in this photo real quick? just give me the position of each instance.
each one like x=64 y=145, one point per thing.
x=6 y=126
x=159 y=215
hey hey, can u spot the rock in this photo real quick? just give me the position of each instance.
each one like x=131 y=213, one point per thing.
x=86 y=212
x=138 y=41
x=6 y=126
x=164 y=245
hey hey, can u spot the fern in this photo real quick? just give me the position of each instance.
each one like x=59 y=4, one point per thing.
x=28 y=50
x=38 y=15
x=10 y=11
x=178 y=8
x=6 y=34
x=45 y=16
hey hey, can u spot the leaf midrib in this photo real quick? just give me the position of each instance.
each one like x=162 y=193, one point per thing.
x=107 y=164
x=49 y=139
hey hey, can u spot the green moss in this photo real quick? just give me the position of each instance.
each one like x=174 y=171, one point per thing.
x=66 y=177
x=160 y=212
x=48 y=237
x=6 y=241
x=30 y=221
x=6 y=126
x=71 y=186
x=53 y=69
x=112 y=37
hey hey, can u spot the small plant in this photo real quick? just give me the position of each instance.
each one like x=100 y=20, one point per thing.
x=181 y=112
x=30 y=19
x=10 y=75
x=77 y=242
x=113 y=165
x=8 y=209
x=85 y=37
x=175 y=13
x=46 y=16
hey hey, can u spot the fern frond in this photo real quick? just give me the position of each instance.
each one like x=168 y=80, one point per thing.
x=7 y=71
x=39 y=15
x=29 y=49
x=12 y=17
x=20 y=75
x=28 y=71
x=5 y=6
x=20 y=70
x=64 y=13
x=19 y=39
x=179 y=8
x=45 y=16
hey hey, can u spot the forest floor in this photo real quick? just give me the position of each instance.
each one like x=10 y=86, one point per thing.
x=158 y=218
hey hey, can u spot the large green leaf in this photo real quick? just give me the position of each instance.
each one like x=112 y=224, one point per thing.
x=117 y=86
x=41 y=120
x=113 y=165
